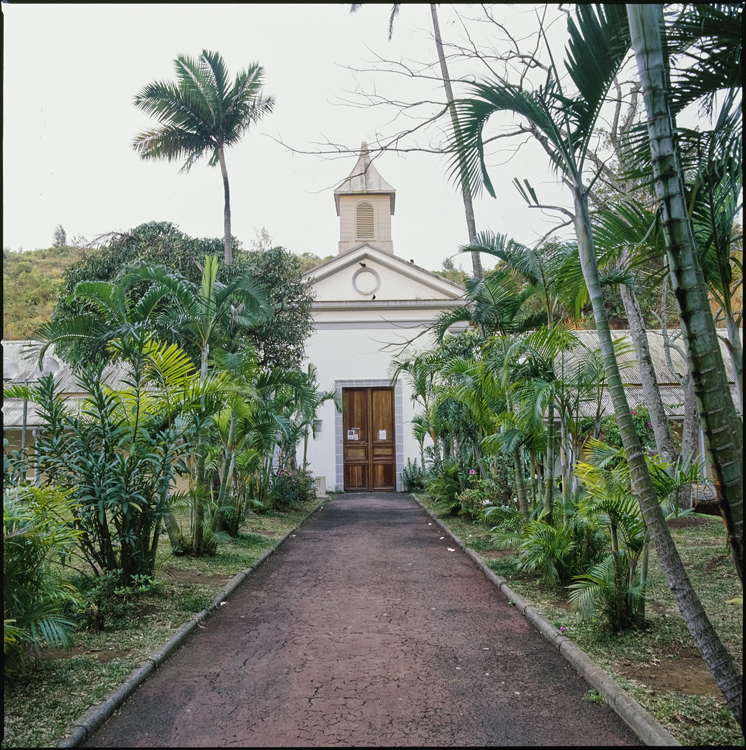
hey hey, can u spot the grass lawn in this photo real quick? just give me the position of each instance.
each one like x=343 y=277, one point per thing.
x=660 y=666
x=41 y=705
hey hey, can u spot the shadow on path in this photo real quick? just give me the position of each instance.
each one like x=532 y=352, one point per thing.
x=364 y=629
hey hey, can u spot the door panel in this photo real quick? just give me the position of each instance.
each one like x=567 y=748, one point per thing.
x=368 y=439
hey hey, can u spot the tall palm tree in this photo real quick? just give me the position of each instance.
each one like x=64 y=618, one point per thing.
x=564 y=124
x=201 y=114
x=471 y=226
x=722 y=429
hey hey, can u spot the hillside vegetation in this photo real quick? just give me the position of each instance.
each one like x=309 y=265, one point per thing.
x=31 y=281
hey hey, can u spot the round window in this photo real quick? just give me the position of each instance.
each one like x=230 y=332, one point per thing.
x=366 y=281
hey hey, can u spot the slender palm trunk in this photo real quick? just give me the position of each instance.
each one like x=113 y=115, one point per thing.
x=471 y=225
x=218 y=522
x=735 y=349
x=520 y=485
x=722 y=428
x=227 y=237
x=651 y=392
x=718 y=659
x=689 y=440
x=198 y=515
x=549 y=492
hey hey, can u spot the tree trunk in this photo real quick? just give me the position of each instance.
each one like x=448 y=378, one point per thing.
x=471 y=225
x=721 y=426
x=218 y=522
x=719 y=661
x=549 y=491
x=227 y=237
x=643 y=26
x=520 y=486
x=200 y=498
x=663 y=442
x=689 y=440
x=735 y=349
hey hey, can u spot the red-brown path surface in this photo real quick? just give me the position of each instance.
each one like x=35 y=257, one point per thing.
x=364 y=629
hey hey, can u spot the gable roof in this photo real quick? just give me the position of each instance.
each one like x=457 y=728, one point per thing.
x=400 y=279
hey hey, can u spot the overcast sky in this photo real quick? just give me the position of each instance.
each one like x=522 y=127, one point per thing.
x=71 y=72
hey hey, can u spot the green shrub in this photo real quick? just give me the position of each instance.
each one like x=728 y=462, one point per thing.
x=607 y=591
x=641 y=417
x=500 y=489
x=118 y=458
x=548 y=551
x=106 y=602
x=475 y=500
x=36 y=530
x=413 y=477
x=445 y=487
x=291 y=487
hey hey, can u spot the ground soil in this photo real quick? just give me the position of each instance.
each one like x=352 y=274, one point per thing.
x=366 y=627
x=682 y=670
x=102 y=655
x=179 y=575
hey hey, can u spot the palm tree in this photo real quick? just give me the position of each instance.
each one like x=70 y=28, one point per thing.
x=198 y=315
x=202 y=114
x=466 y=195
x=721 y=426
x=564 y=125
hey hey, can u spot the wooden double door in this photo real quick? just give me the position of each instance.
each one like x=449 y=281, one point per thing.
x=368 y=439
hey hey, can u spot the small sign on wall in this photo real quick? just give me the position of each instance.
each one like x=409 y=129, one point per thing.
x=381 y=434
x=353 y=433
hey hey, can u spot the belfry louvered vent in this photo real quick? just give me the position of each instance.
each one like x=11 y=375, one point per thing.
x=365 y=225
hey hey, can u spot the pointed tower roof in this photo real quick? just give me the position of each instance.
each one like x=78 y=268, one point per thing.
x=364 y=179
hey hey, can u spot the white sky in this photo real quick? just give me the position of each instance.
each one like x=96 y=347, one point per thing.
x=71 y=72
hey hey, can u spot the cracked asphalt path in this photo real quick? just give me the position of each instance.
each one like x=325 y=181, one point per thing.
x=364 y=630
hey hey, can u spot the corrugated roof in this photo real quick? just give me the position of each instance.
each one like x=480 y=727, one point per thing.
x=22 y=353
x=628 y=362
x=19 y=352
x=671 y=395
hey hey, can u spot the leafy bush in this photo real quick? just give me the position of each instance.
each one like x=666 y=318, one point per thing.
x=36 y=530
x=477 y=499
x=500 y=489
x=413 y=477
x=608 y=591
x=445 y=487
x=291 y=487
x=118 y=460
x=14 y=466
x=496 y=490
x=106 y=602
x=641 y=417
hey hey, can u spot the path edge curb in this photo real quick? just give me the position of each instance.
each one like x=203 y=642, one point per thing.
x=86 y=724
x=642 y=723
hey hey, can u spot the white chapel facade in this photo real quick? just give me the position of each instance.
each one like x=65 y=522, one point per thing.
x=368 y=303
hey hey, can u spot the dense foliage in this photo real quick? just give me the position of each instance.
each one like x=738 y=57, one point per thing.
x=279 y=341
x=36 y=534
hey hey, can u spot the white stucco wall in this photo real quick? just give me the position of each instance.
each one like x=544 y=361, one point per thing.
x=349 y=346
x=353 y=354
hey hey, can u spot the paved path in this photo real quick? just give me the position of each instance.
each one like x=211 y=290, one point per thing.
x=364 y=629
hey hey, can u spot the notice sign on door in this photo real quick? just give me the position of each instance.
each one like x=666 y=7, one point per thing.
x=353 y=434
x=381 y=434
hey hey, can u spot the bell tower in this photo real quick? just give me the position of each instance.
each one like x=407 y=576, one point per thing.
x=365 y=205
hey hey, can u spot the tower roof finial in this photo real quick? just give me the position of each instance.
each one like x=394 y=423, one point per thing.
x=363 y=179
